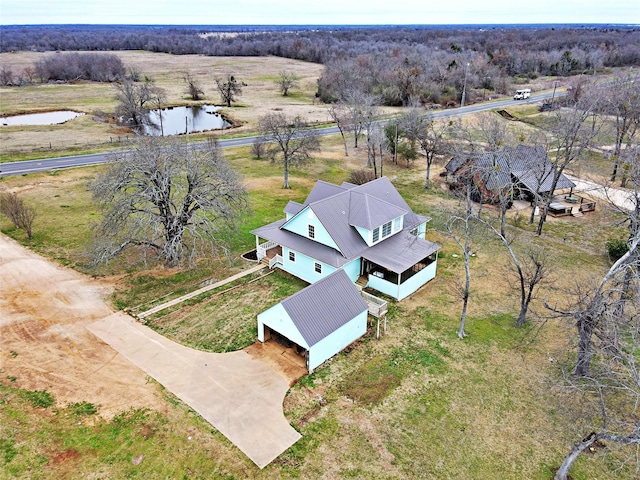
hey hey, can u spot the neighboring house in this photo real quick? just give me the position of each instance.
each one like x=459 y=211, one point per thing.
x=368 y=231
x=340 y=235
x=524 y=169
x=319 y=320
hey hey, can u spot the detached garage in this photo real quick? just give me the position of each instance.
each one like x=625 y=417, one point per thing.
x=320 y=320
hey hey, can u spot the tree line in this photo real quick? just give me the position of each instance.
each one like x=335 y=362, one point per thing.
x=394 y=63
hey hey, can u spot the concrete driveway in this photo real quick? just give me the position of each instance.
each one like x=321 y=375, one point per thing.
x=239 y=395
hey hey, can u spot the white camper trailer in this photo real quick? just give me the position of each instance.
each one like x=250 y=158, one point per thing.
x=522 y=94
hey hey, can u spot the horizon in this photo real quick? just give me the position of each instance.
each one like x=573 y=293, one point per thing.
x=329 y=12
x=358 y=25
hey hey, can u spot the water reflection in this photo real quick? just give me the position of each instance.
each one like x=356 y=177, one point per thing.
x=46 y=118
x=180 y=120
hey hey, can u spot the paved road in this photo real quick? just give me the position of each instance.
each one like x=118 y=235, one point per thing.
x=32 y=166
x=238 y=394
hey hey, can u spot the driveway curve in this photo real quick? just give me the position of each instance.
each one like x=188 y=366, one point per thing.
x=239 y=395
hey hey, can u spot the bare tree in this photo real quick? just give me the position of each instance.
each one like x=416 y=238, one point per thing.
x=194 y=90
x=572 y=135
x=133 y=102
x=6 y=76
x=459 y=228
x=606 y=402
x=362 y=111
x=229 y=87
x=427 y=134
x=293 y=138
x=532 y=270
x=20 y=214
x=286 y=81
x=622 y=102
x=259 y=147
x=339 y=114
x=376 y=145
x=167 y=198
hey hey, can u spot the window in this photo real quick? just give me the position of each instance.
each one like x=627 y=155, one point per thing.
x=317 y=267
x=292 y=256
x=312 y=231
x=396 y=223
x=414 y=232
x=386 y=230
x=376 y=235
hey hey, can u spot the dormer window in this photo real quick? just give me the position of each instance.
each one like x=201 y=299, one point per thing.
x=312 y=231
x=376 y=235
x=386 y=230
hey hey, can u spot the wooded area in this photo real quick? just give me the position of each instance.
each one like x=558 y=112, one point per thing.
x=396 y=64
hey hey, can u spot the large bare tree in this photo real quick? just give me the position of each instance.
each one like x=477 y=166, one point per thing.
x=167 y=198
x=606 y=401
x=229 y=88
x=292 y=140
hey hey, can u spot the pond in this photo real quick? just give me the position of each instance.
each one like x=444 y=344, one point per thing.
x=46 y=118
x=179 y=120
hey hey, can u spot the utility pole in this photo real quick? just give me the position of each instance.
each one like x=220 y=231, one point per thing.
x=464 y=86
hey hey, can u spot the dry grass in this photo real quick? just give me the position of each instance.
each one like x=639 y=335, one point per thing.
x=260 y=96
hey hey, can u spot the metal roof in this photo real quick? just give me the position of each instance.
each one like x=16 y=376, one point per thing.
x=369 y=212
x=376 y=201
x=292 y=208
x=301 y=244
x=323 y=307
x=400 y=252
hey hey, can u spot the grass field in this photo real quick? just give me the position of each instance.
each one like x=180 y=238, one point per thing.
x=417 y=403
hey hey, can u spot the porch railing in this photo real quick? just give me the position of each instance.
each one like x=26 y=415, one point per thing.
x=261 y=251
x=377 y=306
x=275 y=260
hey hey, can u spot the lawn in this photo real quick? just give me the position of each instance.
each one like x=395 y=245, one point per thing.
x=416 y=403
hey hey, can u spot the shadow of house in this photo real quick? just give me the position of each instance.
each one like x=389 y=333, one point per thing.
x=522 y=173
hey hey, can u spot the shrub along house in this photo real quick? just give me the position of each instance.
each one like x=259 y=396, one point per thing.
x=366 y=231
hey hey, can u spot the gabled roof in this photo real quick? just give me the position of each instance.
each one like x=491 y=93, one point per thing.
x=293 y=208
x=304 y=245
x=383 y=189
x=369 y=212
x=339 y=208
x=527 y=165
x=322 y=190
x=323 y=307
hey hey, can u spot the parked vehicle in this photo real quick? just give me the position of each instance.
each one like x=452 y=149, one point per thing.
x=522 y=94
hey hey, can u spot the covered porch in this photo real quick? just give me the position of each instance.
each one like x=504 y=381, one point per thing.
x=400 y=265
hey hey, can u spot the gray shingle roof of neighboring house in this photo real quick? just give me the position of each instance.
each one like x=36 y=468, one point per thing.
x=528 y=165
x=323 y=307
x=400 y=252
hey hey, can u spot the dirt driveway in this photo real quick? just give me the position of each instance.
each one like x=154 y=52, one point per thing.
x=44 y=343
x=52 y=320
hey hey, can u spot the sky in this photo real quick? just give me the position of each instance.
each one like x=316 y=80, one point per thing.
x=317 y=12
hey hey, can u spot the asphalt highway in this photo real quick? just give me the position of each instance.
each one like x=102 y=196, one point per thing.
x=46 y=164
